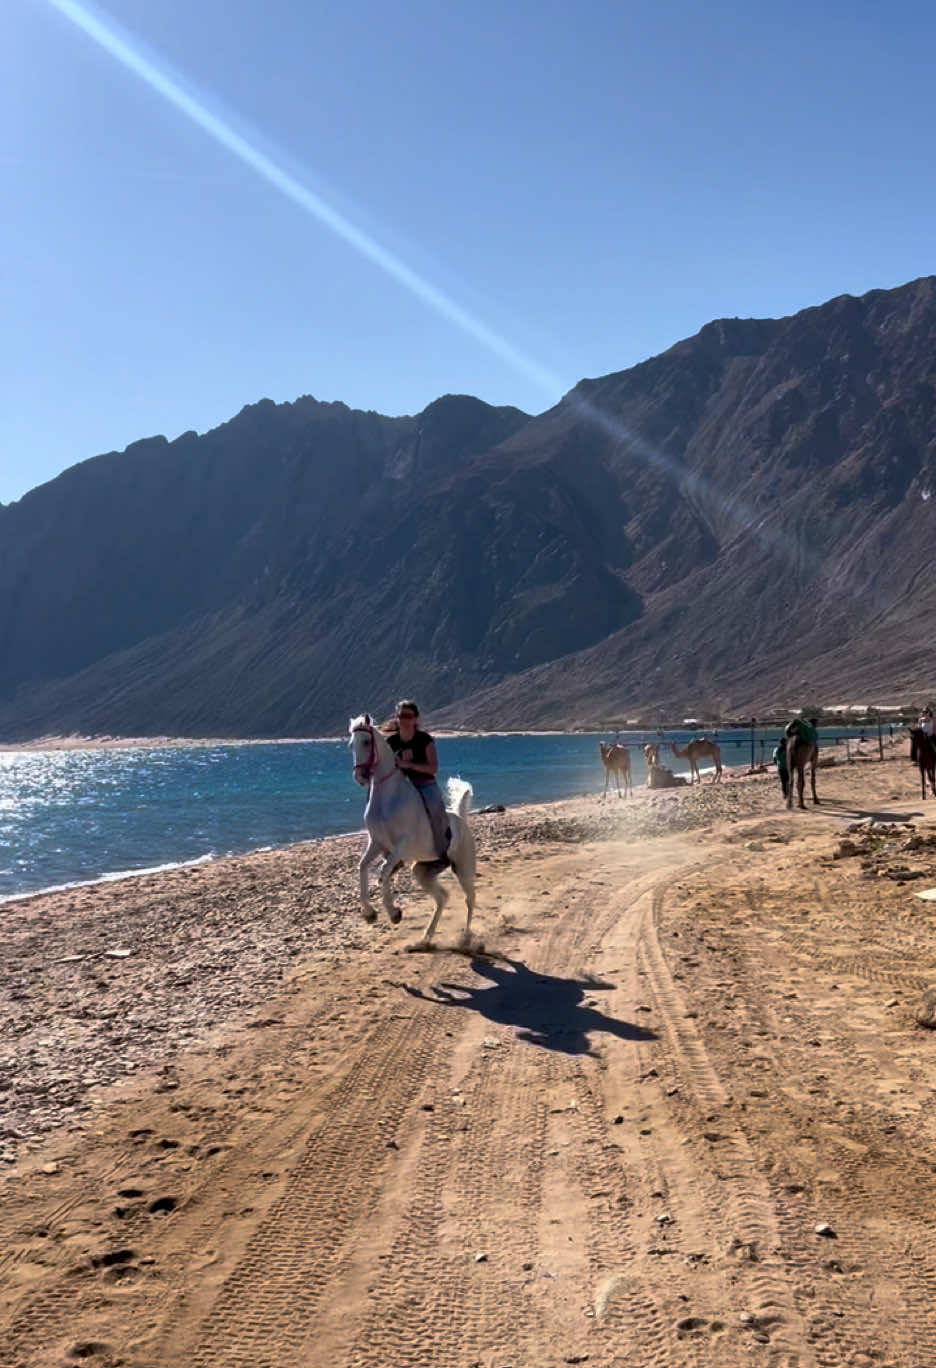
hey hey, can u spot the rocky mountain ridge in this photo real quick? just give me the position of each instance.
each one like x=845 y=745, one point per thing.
x=741 y=521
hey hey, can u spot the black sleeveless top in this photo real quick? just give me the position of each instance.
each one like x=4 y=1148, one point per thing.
x=417 y=753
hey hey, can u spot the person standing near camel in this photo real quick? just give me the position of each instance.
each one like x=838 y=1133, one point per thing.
x=416 y=757
x=779 y=759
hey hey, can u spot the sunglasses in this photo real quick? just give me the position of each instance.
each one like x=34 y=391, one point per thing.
x=407 y=716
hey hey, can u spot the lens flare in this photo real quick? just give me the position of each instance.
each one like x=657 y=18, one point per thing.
x=272 y=166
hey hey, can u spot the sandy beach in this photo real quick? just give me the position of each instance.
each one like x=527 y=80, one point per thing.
x=680 y=1112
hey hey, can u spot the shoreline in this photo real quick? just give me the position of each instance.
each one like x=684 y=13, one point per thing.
x=75 y=742
x=641 y=794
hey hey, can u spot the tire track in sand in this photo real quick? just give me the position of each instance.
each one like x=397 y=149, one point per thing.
x=66 y=1309
x=263 y=1310
x=879 y=1203
x=478 y=1189
x=738 y=1201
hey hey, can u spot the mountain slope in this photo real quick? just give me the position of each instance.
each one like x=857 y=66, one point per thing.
x=740 y=520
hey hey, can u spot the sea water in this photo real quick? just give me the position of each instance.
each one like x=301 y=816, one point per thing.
x=75 y=816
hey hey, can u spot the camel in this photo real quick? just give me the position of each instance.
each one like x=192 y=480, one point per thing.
x=923 y=753
x=616 y=761
x=697 y=748
x=800 y=752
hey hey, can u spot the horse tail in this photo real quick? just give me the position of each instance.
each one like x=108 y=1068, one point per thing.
x=459 y=797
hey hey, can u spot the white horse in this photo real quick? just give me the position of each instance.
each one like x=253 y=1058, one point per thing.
x=398 y=828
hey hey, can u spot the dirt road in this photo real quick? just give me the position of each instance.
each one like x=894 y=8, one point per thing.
x=612 y=1141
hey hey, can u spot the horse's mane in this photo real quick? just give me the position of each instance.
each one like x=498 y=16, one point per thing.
x=365 y=720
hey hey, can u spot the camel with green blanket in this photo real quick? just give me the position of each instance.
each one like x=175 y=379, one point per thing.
x=802 y=749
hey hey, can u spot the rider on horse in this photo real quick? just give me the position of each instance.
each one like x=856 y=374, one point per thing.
x=417 y=759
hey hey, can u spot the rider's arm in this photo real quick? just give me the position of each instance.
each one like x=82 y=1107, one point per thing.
x=431 y=767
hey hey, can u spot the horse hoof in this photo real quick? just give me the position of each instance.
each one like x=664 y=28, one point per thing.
x=420 y=947
x=395 y=915
x=369 y=915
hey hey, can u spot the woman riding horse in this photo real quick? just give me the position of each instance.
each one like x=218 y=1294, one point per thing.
x=416 y=758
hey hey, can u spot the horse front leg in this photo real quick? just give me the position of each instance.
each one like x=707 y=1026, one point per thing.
x=387 y=870
x=368 y=910
x=812 y=780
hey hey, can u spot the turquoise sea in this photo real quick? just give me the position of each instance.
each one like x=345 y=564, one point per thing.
x=73 y=816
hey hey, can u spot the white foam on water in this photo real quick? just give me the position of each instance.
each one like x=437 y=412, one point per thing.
x=113 y=877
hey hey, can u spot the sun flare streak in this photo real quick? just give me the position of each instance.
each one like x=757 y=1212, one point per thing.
x=271 y=166
x=129 y=52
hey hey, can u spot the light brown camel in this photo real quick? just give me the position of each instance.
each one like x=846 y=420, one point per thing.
x=800 y=752
x=698 y=748
x=616 y=761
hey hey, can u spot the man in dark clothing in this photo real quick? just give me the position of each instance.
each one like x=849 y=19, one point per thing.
x=779 y=759
x=416 y=757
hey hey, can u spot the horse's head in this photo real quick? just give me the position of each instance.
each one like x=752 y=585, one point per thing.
x=363 y=745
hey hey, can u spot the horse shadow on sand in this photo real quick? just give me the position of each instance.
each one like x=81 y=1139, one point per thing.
x=543 y=1009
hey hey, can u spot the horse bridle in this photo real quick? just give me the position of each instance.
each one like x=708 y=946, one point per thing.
x=369 y=766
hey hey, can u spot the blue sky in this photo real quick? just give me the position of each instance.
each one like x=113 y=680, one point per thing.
x=534 y=192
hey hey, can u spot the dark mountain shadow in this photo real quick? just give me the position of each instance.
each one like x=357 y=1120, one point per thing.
x=543 y=1009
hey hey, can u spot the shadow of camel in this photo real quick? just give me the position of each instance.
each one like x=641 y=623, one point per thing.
x=543 y=1009
x=840 y=809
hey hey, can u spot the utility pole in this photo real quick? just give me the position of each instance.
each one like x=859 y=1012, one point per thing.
x=753 y=725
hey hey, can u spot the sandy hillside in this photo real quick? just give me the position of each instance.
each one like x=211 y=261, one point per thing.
x=680 y=1114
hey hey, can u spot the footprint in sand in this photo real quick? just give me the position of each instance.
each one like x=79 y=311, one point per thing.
x=690 y=1325
x=85 y=1349
x=162 y=1204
